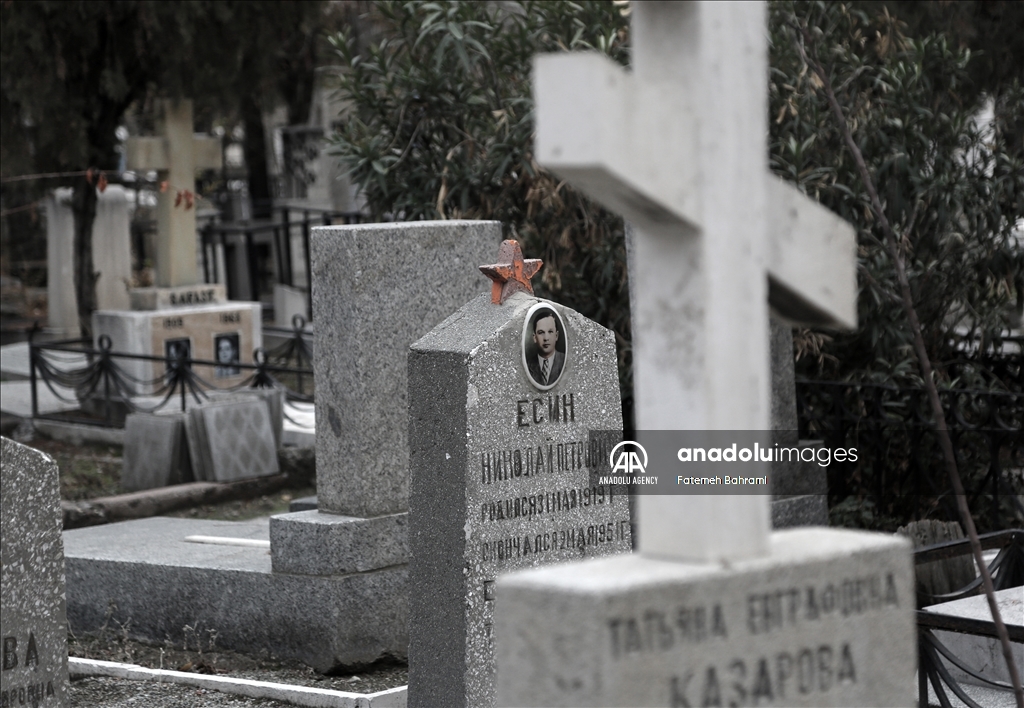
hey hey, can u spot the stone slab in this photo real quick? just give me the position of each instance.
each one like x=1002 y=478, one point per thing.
x=155 y=451
x=200 y=329
x=500 y=478
x=33 y=620
x=303 y=504
x=313 y=543
x=826 y=619
x=376 y=289
x=159 y=583
x=983 y=655
x=174 y=297
x=240 y=439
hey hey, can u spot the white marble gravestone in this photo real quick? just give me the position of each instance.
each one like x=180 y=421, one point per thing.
x=715 y=609
x=111 y=256
x=180 y=313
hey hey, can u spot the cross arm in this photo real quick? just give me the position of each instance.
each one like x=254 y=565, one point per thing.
x=207 y=152
x=147 y=153
x=590 y=133
x=812 y=260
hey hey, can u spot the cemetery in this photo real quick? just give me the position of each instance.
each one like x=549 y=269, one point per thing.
x=400 y=360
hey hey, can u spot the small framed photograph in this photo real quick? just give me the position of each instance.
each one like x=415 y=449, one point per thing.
x=226 y=350
x=545 y=346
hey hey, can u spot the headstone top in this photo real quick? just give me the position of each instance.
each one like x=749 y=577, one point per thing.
x=512 y=273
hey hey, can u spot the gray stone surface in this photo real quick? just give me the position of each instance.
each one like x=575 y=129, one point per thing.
x=144 y=575
x=376 y=289
x=313 y=543
x=826 y=619
x=231 y=440
x=498 y=481
x=33 y=622
x=155 y=451
x=799 y=489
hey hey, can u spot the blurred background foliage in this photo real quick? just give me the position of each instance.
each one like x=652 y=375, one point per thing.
x=441 y=127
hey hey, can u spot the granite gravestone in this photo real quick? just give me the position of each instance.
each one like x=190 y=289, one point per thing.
x=155 y=451
x=799 y=488
x=33 y=621
x=377 y=288
x=500 y=463
x=715 y=609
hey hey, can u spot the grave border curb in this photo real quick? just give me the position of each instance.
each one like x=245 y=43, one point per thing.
x=296 y=695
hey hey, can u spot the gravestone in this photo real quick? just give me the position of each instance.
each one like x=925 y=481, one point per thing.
x=715 y=608
x=377 y=288
x=500 y=465
x=231 y=439
x=175 y=153
x=155 y=451
x=799 y=489
x=180 y=314
x=33 y=621
x=111 y=256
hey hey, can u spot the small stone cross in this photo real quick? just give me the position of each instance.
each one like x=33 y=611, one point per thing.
x=677 y=146
x=512 y=273
x=176 y=154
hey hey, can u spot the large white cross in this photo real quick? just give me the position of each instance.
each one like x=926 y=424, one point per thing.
x=175 y=154
x=678 y=147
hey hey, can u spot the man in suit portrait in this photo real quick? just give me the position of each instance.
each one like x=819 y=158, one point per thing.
x=543 y=360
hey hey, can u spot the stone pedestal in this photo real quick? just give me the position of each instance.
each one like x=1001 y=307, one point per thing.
x=201 y=330
x=826 y=619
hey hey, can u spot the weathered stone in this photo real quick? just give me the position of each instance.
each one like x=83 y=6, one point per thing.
x=376 y=289
x=825 y=620
x=238 y=439
x=311 y=543
x=33 y=620
x=155 y=451
x=982 y=655
x=499 y=470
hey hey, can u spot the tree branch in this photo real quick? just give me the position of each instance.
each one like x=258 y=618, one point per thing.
x=893 y=246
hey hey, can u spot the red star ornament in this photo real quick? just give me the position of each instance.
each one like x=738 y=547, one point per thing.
x=512 y=273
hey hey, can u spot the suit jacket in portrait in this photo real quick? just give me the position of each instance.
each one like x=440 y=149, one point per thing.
x=557 y=362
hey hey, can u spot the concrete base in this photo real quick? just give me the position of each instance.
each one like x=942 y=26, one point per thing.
x=311 y=543
x=143 y=575
x=826 y=619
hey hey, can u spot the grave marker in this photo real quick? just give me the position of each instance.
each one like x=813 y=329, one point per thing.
x=175 y=154
x=500 y=466
x=715 y=609
x=33 y=619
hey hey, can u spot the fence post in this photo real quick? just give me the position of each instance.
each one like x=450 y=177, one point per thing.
x=309 y=267
x=32 y=368
x=250 y=256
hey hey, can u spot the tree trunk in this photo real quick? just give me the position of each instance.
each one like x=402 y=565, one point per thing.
x=255 y=147
x=83 y=206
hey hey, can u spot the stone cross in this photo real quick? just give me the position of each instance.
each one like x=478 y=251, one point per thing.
x=175 y=154
x=677 y=146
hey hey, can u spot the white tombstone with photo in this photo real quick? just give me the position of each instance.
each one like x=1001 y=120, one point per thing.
x=715 y=609
x=180 y=316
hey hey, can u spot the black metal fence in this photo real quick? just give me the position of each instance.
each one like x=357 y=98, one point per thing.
x=900 y=466
x=103 y=390
x=290 y=221
x=936 y=659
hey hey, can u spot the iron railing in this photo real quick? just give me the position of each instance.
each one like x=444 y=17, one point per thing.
x=280 y=231
x=899 y=464
x=104 y=380
x=1007 y=571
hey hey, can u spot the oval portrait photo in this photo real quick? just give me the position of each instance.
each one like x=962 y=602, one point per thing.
x=544 y=346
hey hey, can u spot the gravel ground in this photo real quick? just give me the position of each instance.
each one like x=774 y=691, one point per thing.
x=101 y=692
